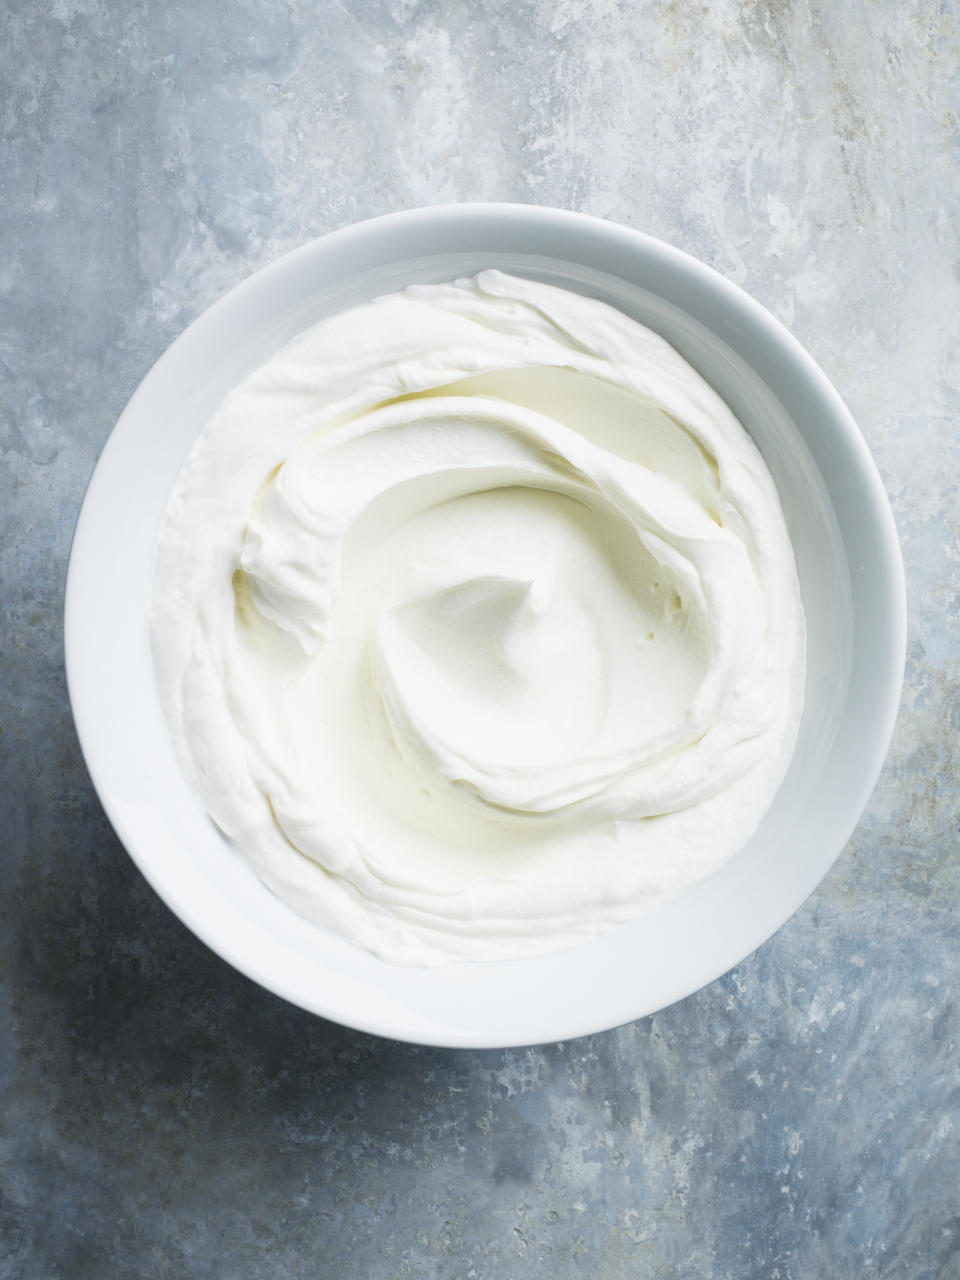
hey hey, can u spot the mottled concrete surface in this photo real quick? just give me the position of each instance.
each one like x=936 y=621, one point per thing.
x=161 y=1116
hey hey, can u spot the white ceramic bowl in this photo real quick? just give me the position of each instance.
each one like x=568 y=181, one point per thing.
x=850 y=575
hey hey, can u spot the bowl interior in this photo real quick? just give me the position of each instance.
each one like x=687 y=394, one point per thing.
x=850 y=577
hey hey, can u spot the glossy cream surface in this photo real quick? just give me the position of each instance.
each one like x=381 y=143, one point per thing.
x=476 y=622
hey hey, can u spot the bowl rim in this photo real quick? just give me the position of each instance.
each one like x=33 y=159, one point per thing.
x=790 y=352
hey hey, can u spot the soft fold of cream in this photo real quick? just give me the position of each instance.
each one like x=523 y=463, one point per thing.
x=476 y=622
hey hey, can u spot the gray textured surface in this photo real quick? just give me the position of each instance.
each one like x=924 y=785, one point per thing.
x=161 y=1116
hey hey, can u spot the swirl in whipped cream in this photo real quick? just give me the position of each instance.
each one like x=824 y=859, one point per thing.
x=477 y=624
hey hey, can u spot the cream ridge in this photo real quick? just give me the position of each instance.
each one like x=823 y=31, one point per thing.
x=476 y=622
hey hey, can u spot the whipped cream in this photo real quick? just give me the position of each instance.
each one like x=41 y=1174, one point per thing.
x=476 y=622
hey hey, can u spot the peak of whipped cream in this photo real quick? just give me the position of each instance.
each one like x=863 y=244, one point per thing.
x=476 y=622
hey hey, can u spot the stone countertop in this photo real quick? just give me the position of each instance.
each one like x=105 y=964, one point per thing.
x=164 y=1117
